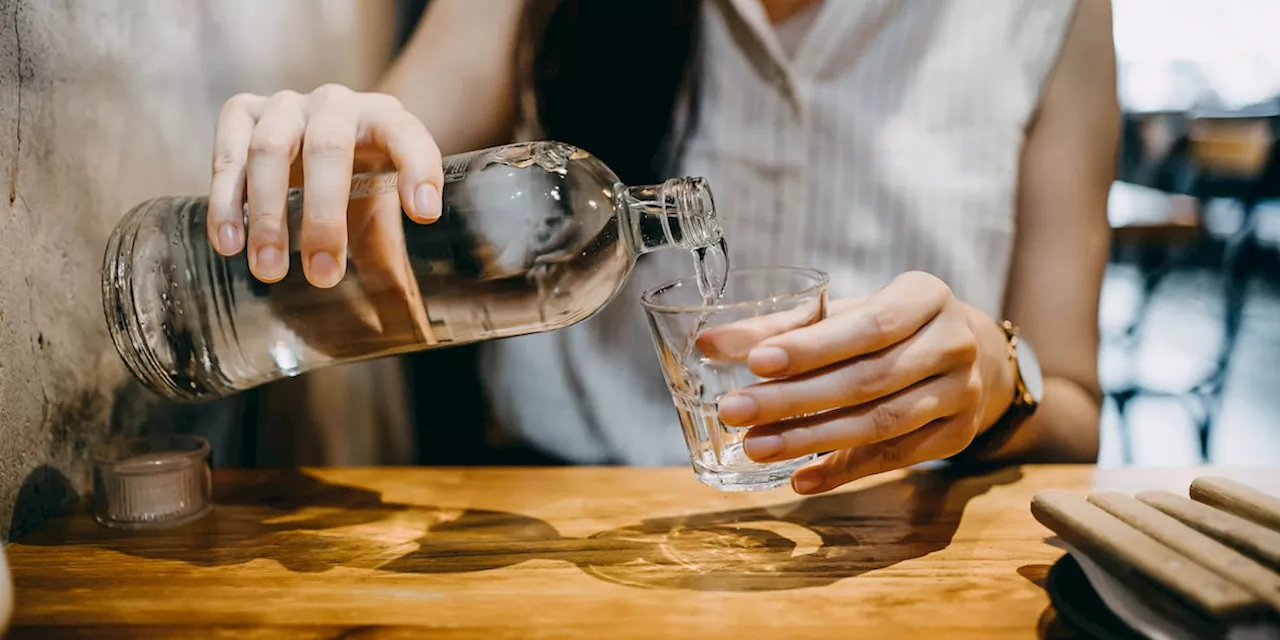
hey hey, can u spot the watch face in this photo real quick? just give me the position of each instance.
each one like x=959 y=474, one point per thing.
x=1029 y=369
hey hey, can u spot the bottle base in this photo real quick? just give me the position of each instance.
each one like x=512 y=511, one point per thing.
x=121 y=310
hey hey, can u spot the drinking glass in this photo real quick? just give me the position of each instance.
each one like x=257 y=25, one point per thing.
x=152 y=482
x=703 y=349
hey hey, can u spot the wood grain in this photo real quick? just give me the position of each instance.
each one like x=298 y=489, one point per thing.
x=569 y=553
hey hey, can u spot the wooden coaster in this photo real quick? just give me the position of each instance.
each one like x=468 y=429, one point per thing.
x=1211 y=561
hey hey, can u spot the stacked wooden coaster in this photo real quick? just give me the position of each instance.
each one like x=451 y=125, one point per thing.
x=1210 y=564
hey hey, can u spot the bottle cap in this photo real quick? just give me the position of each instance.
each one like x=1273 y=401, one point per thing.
x=152 y=482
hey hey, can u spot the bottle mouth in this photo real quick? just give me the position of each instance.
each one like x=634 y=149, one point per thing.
x=693 y=203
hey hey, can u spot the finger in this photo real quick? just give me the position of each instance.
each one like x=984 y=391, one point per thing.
x=328 y=150
x=732 y=342
x=412 y=150
x=272 y=149
x=387 y=279
x=380 y=307
x=862 y=425
x=938 y=440
x=888 y=317
x=947 y=345
x=225 y=221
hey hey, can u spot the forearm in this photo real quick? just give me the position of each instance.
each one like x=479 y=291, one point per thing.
x=1061 y=246
x=455 y=73
x=1063 y=429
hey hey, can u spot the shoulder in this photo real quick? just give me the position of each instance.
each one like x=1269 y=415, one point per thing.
x=1083 y=76
x=1022 y=39
x=1038 y=31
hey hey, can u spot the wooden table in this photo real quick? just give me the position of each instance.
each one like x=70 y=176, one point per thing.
x=581 y=553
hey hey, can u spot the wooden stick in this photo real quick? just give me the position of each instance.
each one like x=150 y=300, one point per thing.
x=1252 y=539
x=1205 y=551
x=1242 y=500
x=1094 y=531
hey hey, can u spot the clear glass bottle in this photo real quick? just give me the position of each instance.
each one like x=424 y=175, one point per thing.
x=533 y=237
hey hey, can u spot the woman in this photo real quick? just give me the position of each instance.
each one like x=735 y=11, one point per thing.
x=947 y=162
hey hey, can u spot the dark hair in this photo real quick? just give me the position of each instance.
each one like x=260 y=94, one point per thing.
x=608 y=75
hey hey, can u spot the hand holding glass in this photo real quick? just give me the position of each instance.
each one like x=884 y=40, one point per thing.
x=703 y=350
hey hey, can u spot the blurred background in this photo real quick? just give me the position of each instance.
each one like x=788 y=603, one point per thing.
x=1190 y=312
x=104 y=104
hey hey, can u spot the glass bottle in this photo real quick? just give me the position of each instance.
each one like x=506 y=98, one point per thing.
x=533 y=237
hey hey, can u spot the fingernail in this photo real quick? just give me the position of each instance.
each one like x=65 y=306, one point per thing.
x=762 y=448
x=426 y=200
x=806 y=481
x=269 y=263
x=737 y=409
x=324 y=269
x=766 y=360
x=229 y=238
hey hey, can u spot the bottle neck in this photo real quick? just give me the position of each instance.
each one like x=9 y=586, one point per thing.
x=677 y=213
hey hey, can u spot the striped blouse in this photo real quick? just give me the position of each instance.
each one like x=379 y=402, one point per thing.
x=866 y=138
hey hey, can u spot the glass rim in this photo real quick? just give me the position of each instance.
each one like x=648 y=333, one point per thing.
x=820 y=280
x=108 y=456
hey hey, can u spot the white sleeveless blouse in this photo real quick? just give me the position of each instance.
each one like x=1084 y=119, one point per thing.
x=887 y=139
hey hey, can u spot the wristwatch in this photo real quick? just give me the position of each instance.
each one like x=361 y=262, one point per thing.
x=1028 y=391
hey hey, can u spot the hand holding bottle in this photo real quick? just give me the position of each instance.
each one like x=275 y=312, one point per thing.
x=529 y=237
x=263 y=145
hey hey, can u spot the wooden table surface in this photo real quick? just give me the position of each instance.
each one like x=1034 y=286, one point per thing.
x=581 y=553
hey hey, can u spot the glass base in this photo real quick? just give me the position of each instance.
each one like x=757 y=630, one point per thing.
x=164 y=522
x=767 y=477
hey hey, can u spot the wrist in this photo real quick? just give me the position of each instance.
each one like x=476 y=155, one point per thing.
x=995 y=367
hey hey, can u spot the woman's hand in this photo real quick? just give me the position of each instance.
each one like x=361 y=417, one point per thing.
x=897 y=379
x=263 y=145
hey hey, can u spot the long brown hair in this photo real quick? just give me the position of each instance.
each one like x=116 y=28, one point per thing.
x=609 y=75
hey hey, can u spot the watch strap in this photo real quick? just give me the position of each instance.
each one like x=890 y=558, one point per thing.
x=1002 y=431
x=996 y=436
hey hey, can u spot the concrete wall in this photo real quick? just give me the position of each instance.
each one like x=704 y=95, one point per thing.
x=104 y=103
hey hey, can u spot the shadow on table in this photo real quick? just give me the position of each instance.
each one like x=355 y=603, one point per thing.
x=1048 y=626
x=295 y=519
x=803 y=543
x=45 y=493
x=307 y=525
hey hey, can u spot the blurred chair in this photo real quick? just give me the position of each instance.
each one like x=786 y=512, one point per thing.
x=1194 y=158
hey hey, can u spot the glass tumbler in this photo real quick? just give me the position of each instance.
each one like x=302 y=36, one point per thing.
x=153 y=482
x=703 y=350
